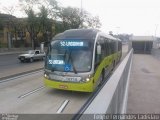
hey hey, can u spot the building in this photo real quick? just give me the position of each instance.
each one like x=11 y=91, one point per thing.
x=12 y=33
x=142 y=44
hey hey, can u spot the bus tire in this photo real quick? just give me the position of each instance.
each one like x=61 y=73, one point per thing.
x=114 y=64
x=101 y=78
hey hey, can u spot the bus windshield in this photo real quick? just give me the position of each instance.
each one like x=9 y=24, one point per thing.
x=69 y=56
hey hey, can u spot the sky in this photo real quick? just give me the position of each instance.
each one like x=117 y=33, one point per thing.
x=137 y=17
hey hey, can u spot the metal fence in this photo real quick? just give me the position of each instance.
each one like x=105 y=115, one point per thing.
x=112 y=99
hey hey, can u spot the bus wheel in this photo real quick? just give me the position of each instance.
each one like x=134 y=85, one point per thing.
x=100 y=80
x=114 y=64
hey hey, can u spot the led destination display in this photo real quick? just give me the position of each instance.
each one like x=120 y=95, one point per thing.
x=73 y=44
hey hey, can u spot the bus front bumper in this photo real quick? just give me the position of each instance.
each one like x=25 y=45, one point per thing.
x=82 y=87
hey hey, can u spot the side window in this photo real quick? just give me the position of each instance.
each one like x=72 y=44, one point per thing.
x=107 y=45
x=97 y=57
x=101 y=43
x=37 y=52
x=103 y=47
x=113 y=46
x=119 y=46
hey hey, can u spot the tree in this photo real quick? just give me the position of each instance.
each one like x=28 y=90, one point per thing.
x=111 y=33
x=52 y=18
x=73 y=18
x=11 y=25
x=92 y=21
x=32 y=26
x=70 y=18
x=45 y=23
x=45 y=10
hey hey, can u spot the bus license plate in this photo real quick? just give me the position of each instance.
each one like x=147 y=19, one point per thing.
x=63 y=86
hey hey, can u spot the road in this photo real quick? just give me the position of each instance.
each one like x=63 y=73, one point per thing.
x=16 y=97
x=10 y=65
x=27 y=94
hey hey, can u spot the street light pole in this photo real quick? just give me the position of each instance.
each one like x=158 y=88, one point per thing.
x=81 y=15
x=156 y=30
x=81 y=6
x=155 y=34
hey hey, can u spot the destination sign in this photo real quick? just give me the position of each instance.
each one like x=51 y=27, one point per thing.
x=56 y=62
x=73 y=44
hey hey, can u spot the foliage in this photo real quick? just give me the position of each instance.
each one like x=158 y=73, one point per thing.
x=70 y=17
x=33 y=26
x=46 y=18
x=91 y=21
x=124 y=37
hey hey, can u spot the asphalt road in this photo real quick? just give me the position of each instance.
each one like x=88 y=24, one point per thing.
x=16 y=97
x=10 y=65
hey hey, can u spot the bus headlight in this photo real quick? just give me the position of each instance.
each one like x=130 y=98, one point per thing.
x=46 y=76
x=86 y=79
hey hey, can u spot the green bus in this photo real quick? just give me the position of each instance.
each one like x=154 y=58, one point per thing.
x=80 y=59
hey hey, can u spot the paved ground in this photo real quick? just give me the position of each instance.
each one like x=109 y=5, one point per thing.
x=156 y=53
x=10 y=65
x=46 y=100
x=144 y=89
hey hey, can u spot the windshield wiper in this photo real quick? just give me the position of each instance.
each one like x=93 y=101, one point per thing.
x=70 y=58
x=65 y=55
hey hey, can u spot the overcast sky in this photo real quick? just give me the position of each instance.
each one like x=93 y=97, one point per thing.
x=140 y=17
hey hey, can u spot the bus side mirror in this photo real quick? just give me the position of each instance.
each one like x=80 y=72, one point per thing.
x=99 y=49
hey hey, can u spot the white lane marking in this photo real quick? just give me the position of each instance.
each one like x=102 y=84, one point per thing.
x=63 y=106
x=31 y=92
x=20 y=76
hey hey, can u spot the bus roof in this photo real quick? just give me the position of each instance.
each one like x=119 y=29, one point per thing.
x=82 y=34
x=109 y=36
x=78 y=33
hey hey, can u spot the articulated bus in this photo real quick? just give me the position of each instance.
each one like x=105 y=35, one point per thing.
x=80 y=59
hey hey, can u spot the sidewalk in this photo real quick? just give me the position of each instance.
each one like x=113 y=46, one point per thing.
x=144 y=93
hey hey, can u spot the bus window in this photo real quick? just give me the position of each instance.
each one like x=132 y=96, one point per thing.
x=119 y=46
x=113 y=47
x=98 y=57
x=102 y=42
x=108 y=49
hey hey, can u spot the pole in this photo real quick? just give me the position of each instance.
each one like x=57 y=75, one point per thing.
x=155 y=41
x=81 y=15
